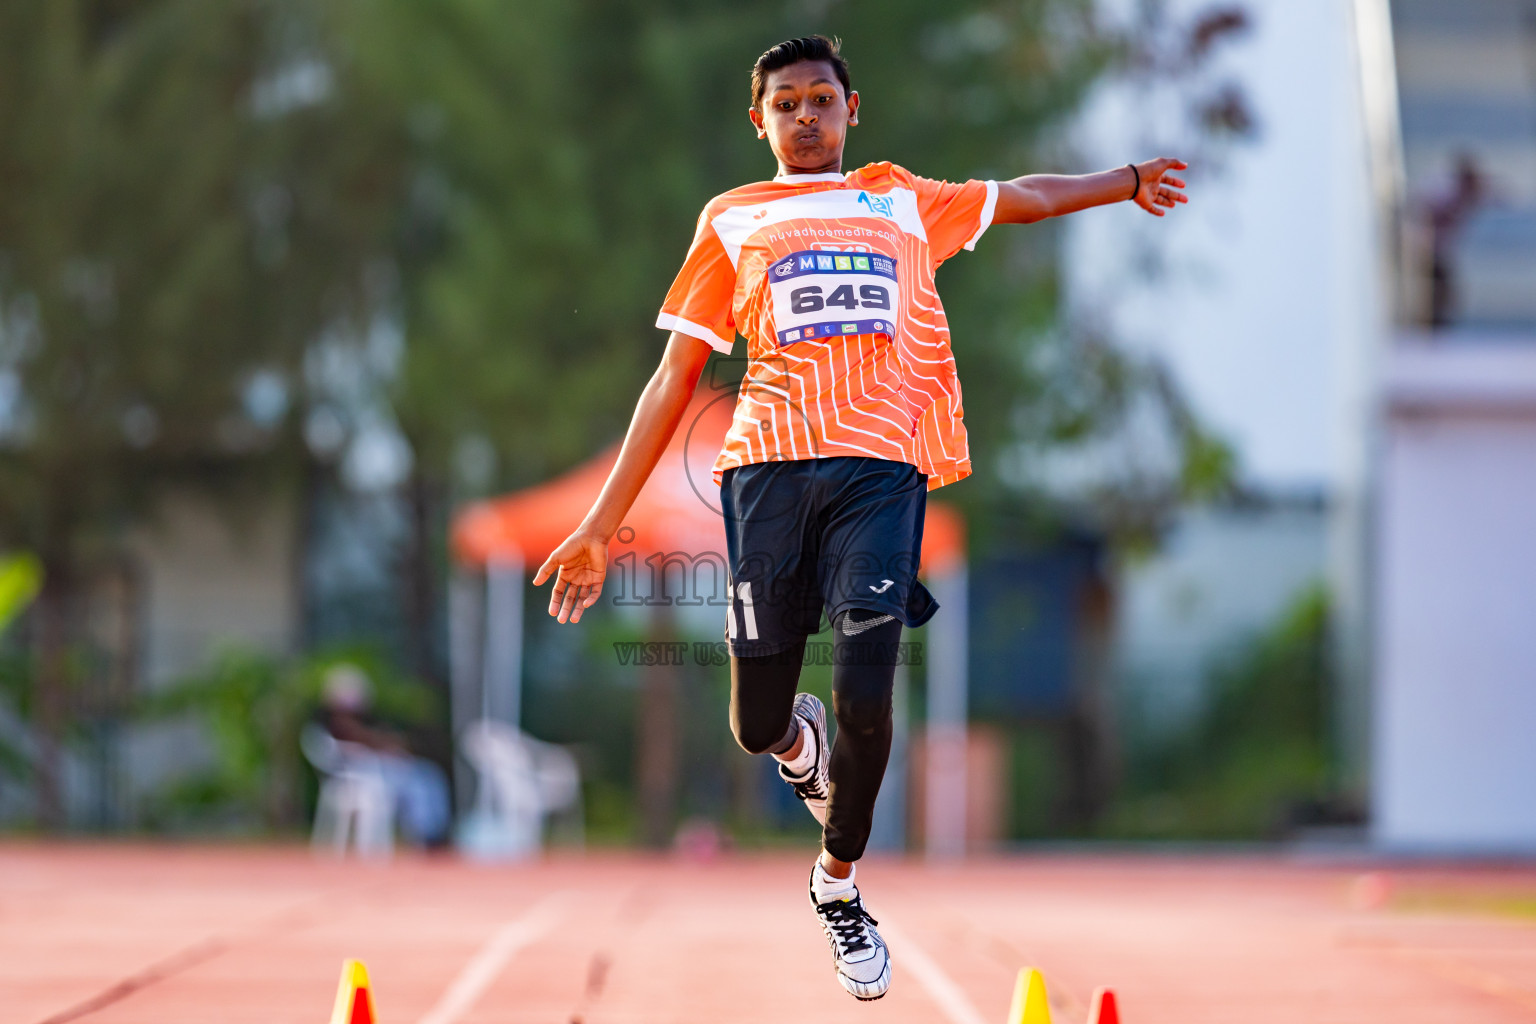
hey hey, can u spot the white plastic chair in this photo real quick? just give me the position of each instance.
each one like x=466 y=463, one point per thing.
x=522 y=782
x=355 y=806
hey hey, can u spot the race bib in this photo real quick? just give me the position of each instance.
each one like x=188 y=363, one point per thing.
x=826 y=294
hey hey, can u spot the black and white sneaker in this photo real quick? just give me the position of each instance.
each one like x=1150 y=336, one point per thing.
x=858 y=952
x=811 y=785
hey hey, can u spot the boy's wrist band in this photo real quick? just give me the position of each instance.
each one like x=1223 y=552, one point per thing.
x=1137 y=190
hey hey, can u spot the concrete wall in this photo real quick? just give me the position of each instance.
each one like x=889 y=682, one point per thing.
x=213 y=578
x=211 y=581
x=1455 y=689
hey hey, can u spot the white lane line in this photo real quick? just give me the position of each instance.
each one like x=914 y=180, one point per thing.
x=491 y=958
x=946 y=994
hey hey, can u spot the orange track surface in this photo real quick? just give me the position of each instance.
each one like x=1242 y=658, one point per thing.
x=131 y=934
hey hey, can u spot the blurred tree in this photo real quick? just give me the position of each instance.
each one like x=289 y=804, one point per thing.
x=189 y=196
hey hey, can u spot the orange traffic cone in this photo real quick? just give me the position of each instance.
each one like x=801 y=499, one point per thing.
x=1104 y=1009
x=354 y=997
x=1029 y=1002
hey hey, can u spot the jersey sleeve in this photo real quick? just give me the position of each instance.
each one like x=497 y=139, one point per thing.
x=699 y=301
x=954 y=215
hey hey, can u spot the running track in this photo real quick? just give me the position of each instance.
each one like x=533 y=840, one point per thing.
x=139 y=934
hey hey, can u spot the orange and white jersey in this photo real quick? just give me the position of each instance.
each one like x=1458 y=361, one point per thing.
x=829 y=277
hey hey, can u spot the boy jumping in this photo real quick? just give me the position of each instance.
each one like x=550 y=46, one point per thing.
x=849 y=413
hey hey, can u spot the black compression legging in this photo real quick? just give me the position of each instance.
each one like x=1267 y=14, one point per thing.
x=863 y=671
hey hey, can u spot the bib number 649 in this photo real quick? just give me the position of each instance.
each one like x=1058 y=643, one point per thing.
x=809 y=299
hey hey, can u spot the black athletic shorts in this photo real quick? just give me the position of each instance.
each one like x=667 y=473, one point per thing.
x=809 y=536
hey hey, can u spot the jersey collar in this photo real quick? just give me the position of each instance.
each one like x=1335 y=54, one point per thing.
x=800 y=179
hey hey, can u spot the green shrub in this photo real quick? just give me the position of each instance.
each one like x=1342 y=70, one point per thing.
x=1260 y=750
x=253 y=707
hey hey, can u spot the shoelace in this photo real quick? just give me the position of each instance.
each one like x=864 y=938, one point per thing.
x=846 y=920
x=809 y=788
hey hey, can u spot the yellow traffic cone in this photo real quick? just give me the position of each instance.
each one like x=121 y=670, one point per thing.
x=1029 y=1003
x=354 y=997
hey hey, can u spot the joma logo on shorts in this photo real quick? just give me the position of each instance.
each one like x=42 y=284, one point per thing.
x=883 y=587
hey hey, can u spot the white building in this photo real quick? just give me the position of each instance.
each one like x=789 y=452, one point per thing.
x=1454 y=722
x=1296 y=308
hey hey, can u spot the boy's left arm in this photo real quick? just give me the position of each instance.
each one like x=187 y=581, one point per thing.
x=1038 y=196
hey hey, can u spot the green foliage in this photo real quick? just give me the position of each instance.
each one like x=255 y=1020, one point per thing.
x=252 y=707
x=1035 y=782
x=78 y=670
x=191 y=195
x=15 y=686
x=1210 y=467
x=187 y=201
x=1259 y=751
x=21 y=577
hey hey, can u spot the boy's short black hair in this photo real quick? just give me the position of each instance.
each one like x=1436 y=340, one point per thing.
x=793 y=51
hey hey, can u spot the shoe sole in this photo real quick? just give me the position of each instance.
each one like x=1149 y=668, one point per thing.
x=884 y=981
x=818 y=719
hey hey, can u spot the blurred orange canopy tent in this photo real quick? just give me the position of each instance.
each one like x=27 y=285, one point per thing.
x=678 y=508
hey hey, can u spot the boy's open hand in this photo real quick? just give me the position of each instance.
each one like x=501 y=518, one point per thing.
x=1158 y=188
x=581 y=562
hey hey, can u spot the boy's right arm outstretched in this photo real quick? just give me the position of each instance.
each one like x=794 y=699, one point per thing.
x=581 y=560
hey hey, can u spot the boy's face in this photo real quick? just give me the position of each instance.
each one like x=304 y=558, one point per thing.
x=805 y=117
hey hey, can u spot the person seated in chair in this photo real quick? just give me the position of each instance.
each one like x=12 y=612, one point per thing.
x=417 y=785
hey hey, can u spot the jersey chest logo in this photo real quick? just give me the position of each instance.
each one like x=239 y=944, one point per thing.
x=828 y=294
x=883 y=206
